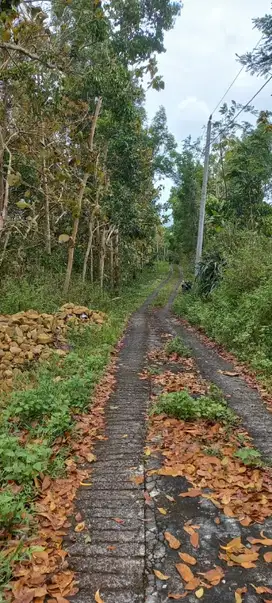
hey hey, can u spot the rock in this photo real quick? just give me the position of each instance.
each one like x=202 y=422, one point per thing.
x=14 y=350
x=45 y=338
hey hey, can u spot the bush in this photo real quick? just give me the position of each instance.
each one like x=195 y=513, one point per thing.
x=13 y=510
x=182 y=406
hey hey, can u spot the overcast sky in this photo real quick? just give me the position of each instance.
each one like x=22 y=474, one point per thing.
x=200 y=63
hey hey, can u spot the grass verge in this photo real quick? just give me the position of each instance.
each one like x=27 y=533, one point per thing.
x=41 y=409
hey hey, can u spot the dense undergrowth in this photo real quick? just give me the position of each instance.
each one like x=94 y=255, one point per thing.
x=237 y=312
x=42 y=406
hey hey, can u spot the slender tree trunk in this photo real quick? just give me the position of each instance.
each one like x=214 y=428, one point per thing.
x=102 y=257
x=4 y=211
x=116 y=261
x=72 y=243
x=46 y=198
x=88 y=250
x=112 y=262
x=86 y=176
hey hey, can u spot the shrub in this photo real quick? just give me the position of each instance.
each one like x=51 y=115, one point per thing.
x=12 y=510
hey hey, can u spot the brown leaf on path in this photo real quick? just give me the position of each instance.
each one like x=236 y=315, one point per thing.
x=177 y=597
x=229 y=373
x=268 y=557
x=263 y=540
x=260 y=590
x=248 y=557
x=80 y=527
x=193 y=584
x=238 y=598
x=188 y=558
x=78 y=517
x=192 y=493
x=214 y=576
x=194 y=539
x=118 y=520
x=97 y=597
x=185 y=572
x=91 y=458
x=234 y=546
x=173 y=542
x=159 y=575
x=217 y=521
x=138 y=479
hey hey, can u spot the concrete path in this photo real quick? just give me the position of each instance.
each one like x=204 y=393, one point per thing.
x=124 y=542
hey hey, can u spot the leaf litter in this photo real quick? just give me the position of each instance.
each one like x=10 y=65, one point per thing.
x=45 y=574
x=203 y=453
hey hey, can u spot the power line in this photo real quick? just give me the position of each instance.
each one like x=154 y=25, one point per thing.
x=241 y=110
x=235 y=79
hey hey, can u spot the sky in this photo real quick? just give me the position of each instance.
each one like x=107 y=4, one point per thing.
x=200 y=62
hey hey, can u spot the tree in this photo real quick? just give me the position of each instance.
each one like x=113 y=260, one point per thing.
x=259 y=60
x=185 y=199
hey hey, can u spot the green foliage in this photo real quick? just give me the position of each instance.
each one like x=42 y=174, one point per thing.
x=249 y=456
x=184 y=200
x=182 y=406
x=13 y=511
x=22 y=463
x=210 y=271
x=177 y=346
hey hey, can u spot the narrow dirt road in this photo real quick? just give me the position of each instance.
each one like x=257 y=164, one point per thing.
x=128 y=508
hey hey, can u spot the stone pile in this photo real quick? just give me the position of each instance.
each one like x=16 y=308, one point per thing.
x=29 y=336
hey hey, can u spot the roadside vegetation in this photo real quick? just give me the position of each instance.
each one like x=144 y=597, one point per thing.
x=38 y=417
x=231 y=296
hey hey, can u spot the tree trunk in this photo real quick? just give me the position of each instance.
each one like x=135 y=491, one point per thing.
x=71 y=250
x=112 y=262
x=102 y=257
x=72 y=243
x=46 y=198
x=4 y=211
x=88 y=250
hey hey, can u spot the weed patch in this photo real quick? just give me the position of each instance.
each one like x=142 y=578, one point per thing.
x=181 y=405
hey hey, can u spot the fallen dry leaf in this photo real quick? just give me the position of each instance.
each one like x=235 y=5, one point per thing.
x=118 y=520
x=161 y=576
x=171 y=498
x=185 y=572
x=229 y=373
x=162 y=510
x=90 y=457
x=268 y=557
x=199 y=593
x=260 y=590
x=97 y=597
x=214 y=576
x=188 y=558
x=80 y=527
x=173 y=542
x=193 y=584
x=177 y=597
x=192 y=493
x=138 y=480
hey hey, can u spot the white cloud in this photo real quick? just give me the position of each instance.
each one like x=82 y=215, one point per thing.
x=193 y=109
x=200 y=62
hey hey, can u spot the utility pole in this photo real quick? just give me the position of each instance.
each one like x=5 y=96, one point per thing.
x=203 y=197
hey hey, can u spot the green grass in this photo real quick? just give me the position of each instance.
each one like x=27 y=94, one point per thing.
x=165 y=292
x=45 y=399
x=178 y=347
x=182 y=406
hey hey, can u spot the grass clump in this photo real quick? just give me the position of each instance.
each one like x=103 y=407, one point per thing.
x=176 y=346
x=181 y=405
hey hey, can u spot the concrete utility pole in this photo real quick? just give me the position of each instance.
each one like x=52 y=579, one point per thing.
x=203 y=197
